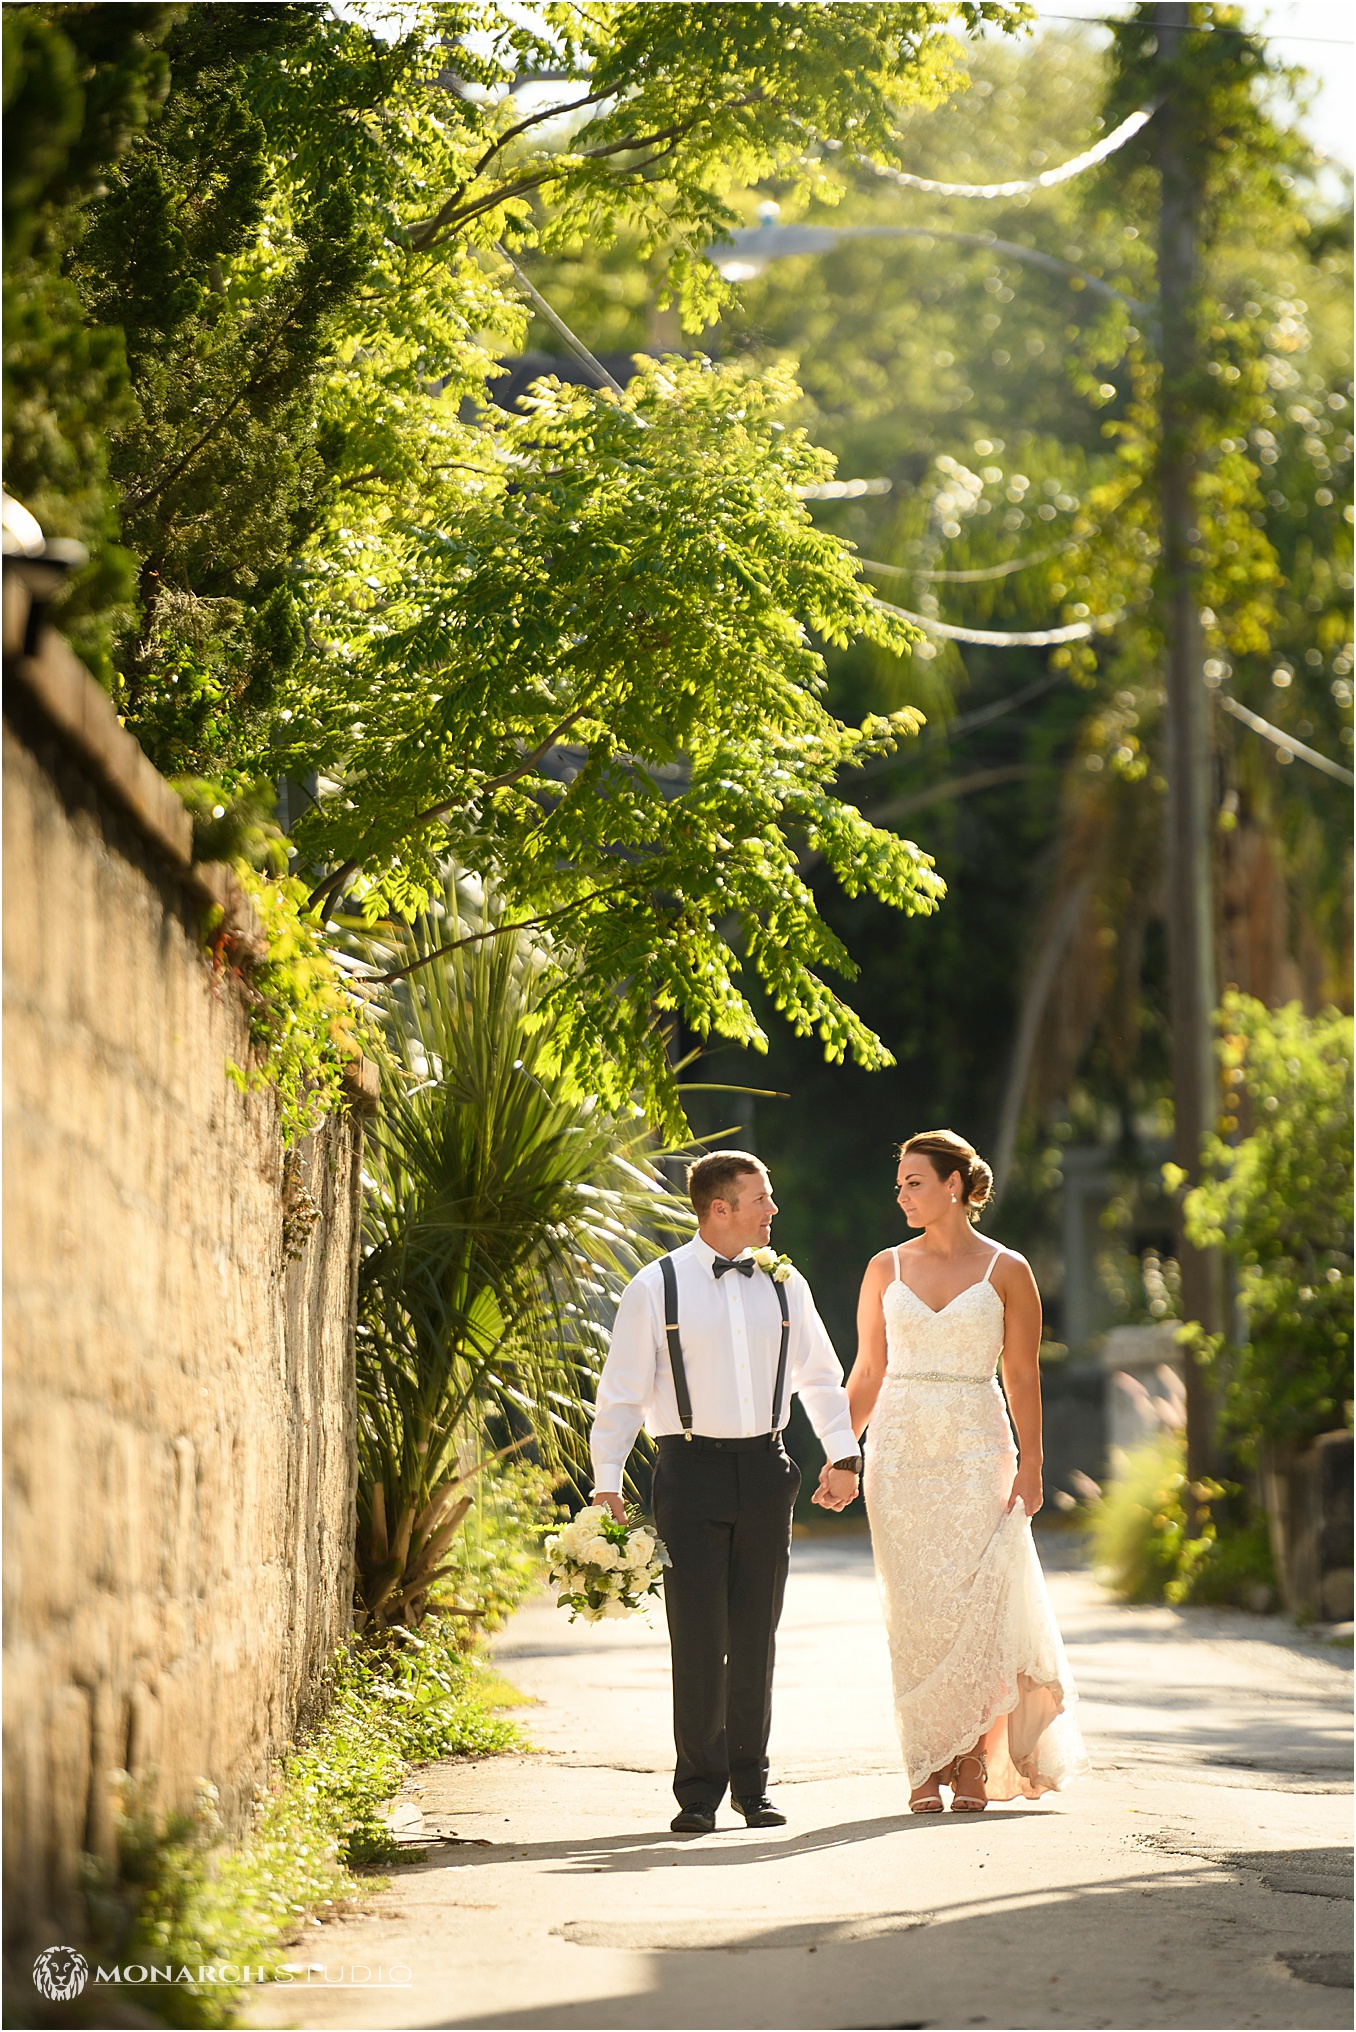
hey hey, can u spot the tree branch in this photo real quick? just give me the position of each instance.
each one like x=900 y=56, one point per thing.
x=496 y=931
x=445 y=466
x=521 y=768
x=425 y=235
x=157 y=483
x=325 y=891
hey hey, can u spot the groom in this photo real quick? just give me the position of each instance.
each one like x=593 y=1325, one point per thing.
x=706 y=1351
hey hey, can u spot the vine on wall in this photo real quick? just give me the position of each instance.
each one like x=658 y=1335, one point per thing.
x=305 y=1026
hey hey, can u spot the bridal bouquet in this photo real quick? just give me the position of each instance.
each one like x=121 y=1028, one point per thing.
x=600 y=1568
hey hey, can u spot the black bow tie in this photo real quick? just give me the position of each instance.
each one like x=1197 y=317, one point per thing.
x=745 y=1265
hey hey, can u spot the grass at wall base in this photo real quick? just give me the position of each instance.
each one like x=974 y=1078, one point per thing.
x=181 y=1895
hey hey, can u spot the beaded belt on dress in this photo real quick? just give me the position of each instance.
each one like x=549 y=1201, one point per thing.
x=936 y=1376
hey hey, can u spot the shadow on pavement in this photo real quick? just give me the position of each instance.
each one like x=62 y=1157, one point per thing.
x=735 y=1846
x=1123 y=1953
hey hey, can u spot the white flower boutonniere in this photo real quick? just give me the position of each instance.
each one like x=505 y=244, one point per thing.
x=778 y=1267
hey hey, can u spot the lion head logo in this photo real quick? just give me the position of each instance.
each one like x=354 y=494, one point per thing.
x=60 y=1972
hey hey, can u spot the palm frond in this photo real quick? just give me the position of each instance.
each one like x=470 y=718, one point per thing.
x=505 y=1211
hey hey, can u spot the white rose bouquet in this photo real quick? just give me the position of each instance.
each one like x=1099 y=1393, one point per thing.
x=600 y=1568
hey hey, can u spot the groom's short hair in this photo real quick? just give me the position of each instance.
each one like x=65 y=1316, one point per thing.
x=712 y=1176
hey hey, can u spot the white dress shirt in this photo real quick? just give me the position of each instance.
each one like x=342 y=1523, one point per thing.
x=730 y=1329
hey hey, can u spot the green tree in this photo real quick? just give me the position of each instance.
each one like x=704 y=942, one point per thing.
x=550 y=697
x=301 y=254
x=1279 y=1204
x=80 y=84
x=506 y=1210
x=225 y=264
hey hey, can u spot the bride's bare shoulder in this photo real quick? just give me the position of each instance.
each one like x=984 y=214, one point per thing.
x=1010 y=1268
x=882 y=1264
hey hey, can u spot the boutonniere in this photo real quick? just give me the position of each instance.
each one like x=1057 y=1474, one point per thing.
x=778 y=1267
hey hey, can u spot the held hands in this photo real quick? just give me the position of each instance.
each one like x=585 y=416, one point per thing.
x=1026 y=1489
x=837 y=1488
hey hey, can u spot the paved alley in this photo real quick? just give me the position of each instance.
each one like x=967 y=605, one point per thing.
x=1201 y=1876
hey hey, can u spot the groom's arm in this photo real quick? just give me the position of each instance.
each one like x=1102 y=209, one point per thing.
x=625 y=1388
x=817 y=1377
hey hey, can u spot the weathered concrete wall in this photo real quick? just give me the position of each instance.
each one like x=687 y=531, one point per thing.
x=179 y=1404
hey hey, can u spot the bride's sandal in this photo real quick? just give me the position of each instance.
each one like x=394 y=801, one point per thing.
x=923 y=1801
x=969 y=1802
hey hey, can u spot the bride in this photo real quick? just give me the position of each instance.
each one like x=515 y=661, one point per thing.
x=983 y=1696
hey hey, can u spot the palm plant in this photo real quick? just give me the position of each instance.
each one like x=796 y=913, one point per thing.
x=505 y=1209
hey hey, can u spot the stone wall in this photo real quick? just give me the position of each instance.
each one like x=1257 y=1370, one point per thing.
x=1309 y=1513
x=179 y=1403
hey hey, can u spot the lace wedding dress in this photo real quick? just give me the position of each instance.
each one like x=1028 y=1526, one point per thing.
x=972 y=1635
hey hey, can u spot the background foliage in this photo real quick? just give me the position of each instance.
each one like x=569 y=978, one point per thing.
x=257 y=266
x=1155 y=1536
x=1279 y=1204
x=1011 y=410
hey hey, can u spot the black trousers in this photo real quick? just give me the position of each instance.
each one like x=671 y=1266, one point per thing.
x=723 y=1509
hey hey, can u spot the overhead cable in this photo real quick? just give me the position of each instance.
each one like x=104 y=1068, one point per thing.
x=751 y=247
x=970 y=578
x=990 y=638
x=1021 y=186
x=1287 y=743
x=1201 y=28
x=558 y=324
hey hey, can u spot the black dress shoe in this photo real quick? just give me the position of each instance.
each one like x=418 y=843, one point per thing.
x=759 y=1812
x=694 y=1820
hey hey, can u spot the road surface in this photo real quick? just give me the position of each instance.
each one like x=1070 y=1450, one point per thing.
x=1201 y=1876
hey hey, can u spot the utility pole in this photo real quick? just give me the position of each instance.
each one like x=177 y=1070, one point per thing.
x=1191 y=916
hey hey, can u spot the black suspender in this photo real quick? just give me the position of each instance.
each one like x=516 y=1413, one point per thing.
x=680 y=1389
x=782 y=1352
x=667 y=1272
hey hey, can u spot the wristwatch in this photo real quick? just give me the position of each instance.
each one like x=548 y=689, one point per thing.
x=852 y=1466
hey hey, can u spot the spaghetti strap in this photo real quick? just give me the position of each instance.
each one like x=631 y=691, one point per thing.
x=899 y=1275
x=998 y=1251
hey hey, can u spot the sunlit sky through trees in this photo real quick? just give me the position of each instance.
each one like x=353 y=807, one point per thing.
x=1316 y=34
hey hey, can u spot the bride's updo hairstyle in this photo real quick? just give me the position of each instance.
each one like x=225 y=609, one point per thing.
x=948 y=1152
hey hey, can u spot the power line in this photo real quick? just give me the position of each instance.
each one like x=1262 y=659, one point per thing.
x=990 y=638
x=752 y=246
x=970 y=578
x=943 y=793
x=965 y=724
x=1022 y=185
x=1287 y=743
x=558 y=324
x=1207 y=28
